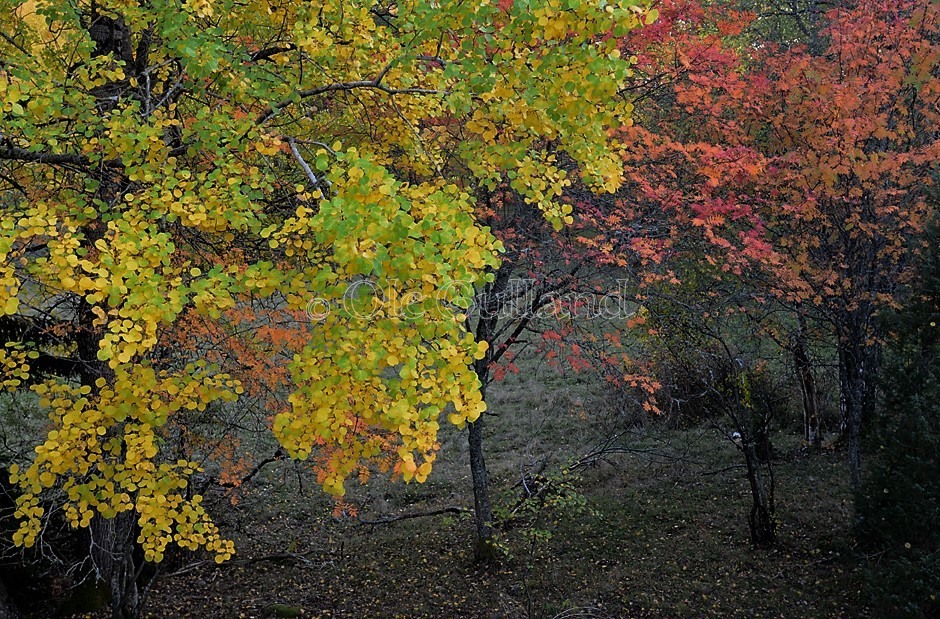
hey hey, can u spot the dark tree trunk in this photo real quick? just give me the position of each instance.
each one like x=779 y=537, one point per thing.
x=482 y=509
x=807 y=380
x=760 y=476
x=851 y=390
x=751 y=416
x=8 y=609
x=112 y=553
x=858 y=365
x=112 y=540
x=763 y=446
x=489 y=304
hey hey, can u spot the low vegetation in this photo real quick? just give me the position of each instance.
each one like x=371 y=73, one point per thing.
x=657 y=530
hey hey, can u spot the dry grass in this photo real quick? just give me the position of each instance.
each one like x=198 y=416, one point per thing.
x=665 y=535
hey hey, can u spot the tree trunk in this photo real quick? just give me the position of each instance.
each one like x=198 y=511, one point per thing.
x=851 y=388
x=112 y=553
x=807 y=379
x=762 y=443
x=489 y=304
x=112 y=540
x=482 y=509
x=761 y=478
x=858 y=364
x=8 y=609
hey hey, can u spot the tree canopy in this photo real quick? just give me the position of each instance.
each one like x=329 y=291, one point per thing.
x=165 y=159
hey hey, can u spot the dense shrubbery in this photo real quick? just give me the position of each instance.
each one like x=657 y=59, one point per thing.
x=898 y=508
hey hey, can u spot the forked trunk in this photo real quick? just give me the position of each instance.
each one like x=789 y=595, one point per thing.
x=761 y=478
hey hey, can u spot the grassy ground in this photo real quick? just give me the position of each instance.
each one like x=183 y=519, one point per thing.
x=662 y=532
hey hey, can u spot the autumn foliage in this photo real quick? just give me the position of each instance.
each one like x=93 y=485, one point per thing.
x=180 y=182
x=801 y=166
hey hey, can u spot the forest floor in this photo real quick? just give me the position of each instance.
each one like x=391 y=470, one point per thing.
x=657 y=529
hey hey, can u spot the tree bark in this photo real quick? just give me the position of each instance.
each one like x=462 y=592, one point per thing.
x=807 y=380
x=851 y=387
x=112 y=553
x=117 y=560
x=482 y=509
x=858 y=363
x=8 y=609
x=752 y=418
x=489 y=304
x=113 y=540
x=761 y=479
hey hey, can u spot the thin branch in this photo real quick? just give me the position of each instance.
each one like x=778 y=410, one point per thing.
x=14 y=184
x=436 y=512
x=375 y=84
x=313 y=143
x=210 y=563
x=303 y=164
x=171 y=93
x=12 y=42
x=436 y=59
x=381 y=76
x=278 y=455
x=725 y=469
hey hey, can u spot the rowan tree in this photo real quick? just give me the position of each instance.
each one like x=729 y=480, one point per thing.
x=808 y=162
x=851 y=136
x=174 y=158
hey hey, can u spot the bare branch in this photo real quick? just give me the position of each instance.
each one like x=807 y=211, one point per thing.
x=8 y=152
x=264 y=54
x=374 y=84
x=436 y=512
x=303 y=164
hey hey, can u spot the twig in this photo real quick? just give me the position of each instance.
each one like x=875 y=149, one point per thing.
x=280 y=556
x=278 y=455
x=188 y=568
x=436 y=512
x=725 y=469
x=303 y=164
x=374 y=84
x=209 y=481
